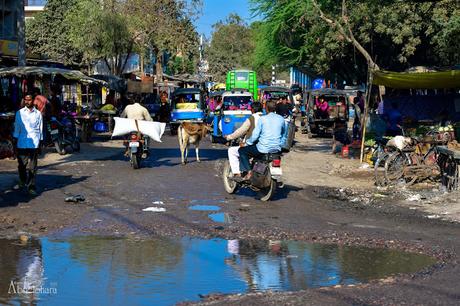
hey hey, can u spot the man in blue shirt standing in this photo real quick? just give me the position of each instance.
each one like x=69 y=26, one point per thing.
x=28 y=133
x=269 y=135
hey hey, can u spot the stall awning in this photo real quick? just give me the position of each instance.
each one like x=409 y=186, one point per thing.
x=71 y=75
x=419 y=80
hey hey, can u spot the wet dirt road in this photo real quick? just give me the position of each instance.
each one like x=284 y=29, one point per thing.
x=116 y=196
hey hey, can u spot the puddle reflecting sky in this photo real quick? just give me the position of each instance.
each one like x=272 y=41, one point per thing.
x=220 y=217
x=204 y=207
x=109 y=271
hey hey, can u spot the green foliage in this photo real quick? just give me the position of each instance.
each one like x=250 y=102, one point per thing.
x=447 y=38
x=100 y=32
x=46 y=34
x=397 y=34
x=164 y=26
x=231 y=47
x=84 y=31
x=180 y=65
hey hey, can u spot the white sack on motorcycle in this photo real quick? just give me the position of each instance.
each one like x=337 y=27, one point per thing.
x=125 y=126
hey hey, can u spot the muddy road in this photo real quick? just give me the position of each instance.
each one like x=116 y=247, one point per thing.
x=115 y=196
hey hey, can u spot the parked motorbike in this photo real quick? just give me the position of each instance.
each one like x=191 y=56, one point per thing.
x=137 y=149
x=64 y=134
x=266 y=176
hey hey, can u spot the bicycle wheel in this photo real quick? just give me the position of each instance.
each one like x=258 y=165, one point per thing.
x=379 y=170
x=395 y=165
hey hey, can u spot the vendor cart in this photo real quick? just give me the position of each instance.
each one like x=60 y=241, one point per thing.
x=449 y=163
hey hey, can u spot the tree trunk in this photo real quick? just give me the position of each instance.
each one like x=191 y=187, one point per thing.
x=159 y=66
x=347 y=33
x=141 y=60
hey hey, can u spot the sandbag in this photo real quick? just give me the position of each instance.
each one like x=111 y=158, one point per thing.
x=399 y=142
x=152 y=129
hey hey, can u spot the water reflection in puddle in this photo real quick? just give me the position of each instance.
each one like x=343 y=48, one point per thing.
x=108 y=271
x=220 y=217
x=204 y=207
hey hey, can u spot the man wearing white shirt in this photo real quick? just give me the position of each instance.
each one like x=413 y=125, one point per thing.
x=28 y=133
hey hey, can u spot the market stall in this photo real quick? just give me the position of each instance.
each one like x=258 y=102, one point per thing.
x=424 y=109
x=74 y=89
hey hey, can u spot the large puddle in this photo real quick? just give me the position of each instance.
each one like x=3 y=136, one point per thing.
x=111 y=271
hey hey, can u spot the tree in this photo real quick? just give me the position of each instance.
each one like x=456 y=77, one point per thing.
x=185 y=54
x=231 y=47
x=77 y=31
x=163 y=26
x=101 y=32
x=343 y=36
x=46 y=34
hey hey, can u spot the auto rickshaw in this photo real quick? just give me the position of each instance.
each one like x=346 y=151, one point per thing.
x=236 y=108
x=187 y=106
x=322 y=122
x=277 y=93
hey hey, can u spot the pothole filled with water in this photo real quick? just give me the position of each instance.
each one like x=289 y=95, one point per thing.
x=106 y=271
x=204 y=207
x=220 y=218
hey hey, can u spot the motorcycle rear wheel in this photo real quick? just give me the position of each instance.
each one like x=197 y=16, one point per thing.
x=269 y=192
x=135 y=160
x=59 y=148
x=229 y=185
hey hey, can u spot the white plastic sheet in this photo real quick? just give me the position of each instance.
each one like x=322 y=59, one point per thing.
x=152 y=129
x=155 y=209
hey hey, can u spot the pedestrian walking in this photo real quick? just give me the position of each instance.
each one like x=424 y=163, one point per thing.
x=40 y=101
x=28 y=134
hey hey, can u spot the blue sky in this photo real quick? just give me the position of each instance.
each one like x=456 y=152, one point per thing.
x=215 y=10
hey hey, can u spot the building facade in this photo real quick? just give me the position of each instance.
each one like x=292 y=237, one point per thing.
x=32 y=7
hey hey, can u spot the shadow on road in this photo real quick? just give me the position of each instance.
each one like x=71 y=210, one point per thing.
x=323 y=147
x=280 y=194
x=45 y=182
x=170 y=157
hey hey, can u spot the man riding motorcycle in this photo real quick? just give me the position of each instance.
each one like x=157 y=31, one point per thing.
x=137 y=112
x=244 y=131
x=269 y=134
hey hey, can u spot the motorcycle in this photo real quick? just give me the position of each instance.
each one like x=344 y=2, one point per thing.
x=64 y=134
x=266 y=176
x=137 y=149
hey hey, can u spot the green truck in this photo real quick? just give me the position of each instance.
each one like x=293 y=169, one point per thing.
x=242 y=79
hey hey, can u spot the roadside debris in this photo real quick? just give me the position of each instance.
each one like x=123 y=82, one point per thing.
x=155 y=209
x=75 y=198
x=24 y=238
x=414 y=198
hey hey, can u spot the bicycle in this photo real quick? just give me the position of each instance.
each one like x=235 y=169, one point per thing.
x=379 y=156
x=411 y=165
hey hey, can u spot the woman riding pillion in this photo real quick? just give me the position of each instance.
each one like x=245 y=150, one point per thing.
x=244 y=132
